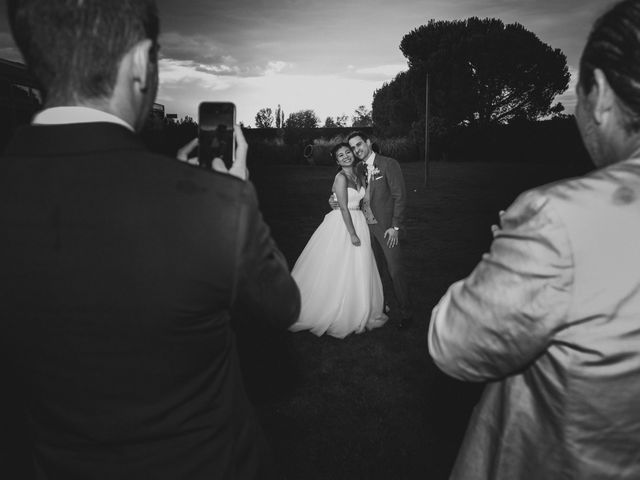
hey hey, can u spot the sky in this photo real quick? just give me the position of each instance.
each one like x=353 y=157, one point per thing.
x=326 y=55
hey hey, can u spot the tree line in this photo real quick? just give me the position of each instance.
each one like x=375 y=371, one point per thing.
x=267 y=118
x=486 y=78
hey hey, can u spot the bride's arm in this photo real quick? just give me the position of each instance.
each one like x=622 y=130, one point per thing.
x=340 y=189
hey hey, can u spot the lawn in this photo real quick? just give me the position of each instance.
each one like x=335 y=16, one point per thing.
x=373 y=406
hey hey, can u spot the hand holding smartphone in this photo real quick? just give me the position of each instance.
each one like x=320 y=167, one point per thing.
x=227 y=156
x=216 y=139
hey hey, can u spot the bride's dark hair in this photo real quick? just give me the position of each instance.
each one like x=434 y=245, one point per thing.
x=337 y=147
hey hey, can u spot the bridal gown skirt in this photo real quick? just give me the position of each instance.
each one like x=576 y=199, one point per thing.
x=339 y=283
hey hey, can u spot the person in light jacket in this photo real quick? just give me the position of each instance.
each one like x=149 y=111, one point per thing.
x=550 y=317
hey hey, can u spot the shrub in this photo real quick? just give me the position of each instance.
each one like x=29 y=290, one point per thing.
x=272 y=152
x=554 y=141
x=322 y=150
x=401 y=148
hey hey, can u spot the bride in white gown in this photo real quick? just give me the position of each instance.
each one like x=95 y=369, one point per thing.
x=336 y=272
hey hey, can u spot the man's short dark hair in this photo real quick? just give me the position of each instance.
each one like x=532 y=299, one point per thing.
x=358 y=133
x=613 y=46
x=74 y=47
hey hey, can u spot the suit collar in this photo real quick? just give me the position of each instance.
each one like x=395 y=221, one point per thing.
x=72 y=139
x=76 y=114
x=370 y=160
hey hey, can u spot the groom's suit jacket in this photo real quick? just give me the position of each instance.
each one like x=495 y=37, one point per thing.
x=387 y=191
x=120 y=271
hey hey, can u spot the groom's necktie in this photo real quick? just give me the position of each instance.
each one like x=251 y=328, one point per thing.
x=366 y=204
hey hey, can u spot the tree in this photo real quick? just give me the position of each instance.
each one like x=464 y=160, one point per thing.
x=279 y=117
x=302 y=119
x=339 y=121
x=481 y=71
x=362 y=117
x=342 y=120
x=264 y=118
x=395 y=112
x=330 y=123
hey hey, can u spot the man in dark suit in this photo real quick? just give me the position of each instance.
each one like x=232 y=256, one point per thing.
x=384 y=206
x=121 y=269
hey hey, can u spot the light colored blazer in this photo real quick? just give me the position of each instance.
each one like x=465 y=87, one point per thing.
x=551 y=317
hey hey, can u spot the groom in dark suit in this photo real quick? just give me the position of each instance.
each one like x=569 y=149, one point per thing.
x=121 y=269
x=384 y=206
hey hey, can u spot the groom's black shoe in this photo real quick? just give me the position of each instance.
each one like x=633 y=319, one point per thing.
x=405 y=323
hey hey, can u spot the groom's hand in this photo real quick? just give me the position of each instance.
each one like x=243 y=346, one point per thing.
x=392 y=233
x=333 y=202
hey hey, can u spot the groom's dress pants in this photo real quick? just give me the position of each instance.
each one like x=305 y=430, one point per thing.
x=393 y=258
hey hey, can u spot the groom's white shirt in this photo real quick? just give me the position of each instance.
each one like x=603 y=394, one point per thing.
x=369 y=163
x=74 y=114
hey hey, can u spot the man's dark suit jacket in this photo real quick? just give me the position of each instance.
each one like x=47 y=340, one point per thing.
x=119 y=271
x=387 y=191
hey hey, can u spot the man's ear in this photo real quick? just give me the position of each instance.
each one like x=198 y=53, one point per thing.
x=603 y=98
x=139 y=56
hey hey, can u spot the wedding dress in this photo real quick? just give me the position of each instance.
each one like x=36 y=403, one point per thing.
x=339 y=282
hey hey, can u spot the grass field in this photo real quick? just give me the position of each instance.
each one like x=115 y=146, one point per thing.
x=373 y=406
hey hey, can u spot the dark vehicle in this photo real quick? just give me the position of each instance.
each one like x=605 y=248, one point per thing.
x=20 y=98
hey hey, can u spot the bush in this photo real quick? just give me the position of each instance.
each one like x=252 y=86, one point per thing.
x=552 y=141
x=322 y=149
x=273 y=152
x=401 y=148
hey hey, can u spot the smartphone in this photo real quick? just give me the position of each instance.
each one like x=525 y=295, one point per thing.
x=215 y=133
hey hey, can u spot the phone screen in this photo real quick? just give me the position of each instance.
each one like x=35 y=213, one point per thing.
x=215 y=132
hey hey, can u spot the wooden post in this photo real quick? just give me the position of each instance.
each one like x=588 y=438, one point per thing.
x=426 y=132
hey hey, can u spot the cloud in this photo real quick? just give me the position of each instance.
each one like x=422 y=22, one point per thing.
x=182 y=88
x=213 y=69
x=194 y=48
x=202 y=54
x=276 y=67
x=379 y=72
x=568 y=98
x=184 y=83
x=181 y=74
